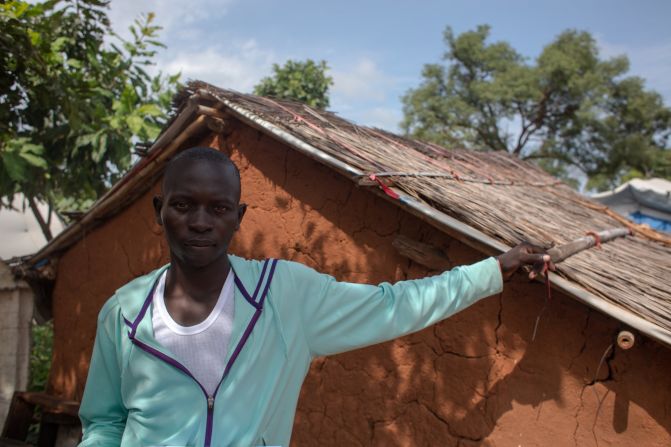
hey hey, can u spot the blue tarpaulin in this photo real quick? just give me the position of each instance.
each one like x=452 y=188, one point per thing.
x=653 y=222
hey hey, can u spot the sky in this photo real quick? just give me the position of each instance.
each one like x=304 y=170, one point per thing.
x=376 y=49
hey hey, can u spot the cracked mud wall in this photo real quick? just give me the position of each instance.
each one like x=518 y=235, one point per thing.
x=475 y=379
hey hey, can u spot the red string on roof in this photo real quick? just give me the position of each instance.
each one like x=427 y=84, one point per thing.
x=324 y=133
x=387 y=190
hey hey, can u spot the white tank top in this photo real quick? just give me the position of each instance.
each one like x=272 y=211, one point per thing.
x=202 y=348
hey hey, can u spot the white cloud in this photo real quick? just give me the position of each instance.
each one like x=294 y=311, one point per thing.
x=361 y=93
x=386 y=118
x=651 y=62
x=177 y=17
x=364 y=81
x=240 y=66
x=234 y=64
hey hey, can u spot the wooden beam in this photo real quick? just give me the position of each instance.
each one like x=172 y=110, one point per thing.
x=210 y=111
x=219 y=125
x=421 y=253
x=50 y=404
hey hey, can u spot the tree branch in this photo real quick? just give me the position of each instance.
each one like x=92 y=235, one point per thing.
x=536 y=156
x=524 y=138
x=534 y=125
x=50 y=211
x=490 y=117
x=40 y=220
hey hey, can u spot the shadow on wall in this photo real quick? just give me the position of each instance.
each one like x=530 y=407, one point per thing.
x=473 y=378
x=549 y=389
x=476 y=378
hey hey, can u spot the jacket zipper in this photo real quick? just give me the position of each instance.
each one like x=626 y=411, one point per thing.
x=210 y=399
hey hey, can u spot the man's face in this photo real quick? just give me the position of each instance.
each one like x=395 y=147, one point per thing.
x=199 y=211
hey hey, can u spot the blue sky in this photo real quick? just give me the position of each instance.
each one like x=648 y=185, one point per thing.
x=376 y=49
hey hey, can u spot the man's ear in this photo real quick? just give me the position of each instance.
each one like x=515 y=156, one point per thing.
x=242 y=209
x=158 y=205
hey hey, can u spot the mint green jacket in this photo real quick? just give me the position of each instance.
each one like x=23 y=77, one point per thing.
x=286 y=314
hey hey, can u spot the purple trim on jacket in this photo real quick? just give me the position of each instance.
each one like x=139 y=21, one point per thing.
x=258 y=284
x=143 y=310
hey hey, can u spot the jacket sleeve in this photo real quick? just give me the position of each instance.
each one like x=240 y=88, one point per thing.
x=339 y=316
x=102 y=412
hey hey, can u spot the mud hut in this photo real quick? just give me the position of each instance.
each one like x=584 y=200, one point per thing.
x=479 y=378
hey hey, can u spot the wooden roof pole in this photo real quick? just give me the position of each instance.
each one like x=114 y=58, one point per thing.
x=592 y=239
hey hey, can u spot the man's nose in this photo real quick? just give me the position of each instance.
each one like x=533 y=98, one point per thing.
x=200 y=220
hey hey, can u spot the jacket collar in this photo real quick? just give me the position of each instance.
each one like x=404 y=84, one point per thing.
x=137 y=295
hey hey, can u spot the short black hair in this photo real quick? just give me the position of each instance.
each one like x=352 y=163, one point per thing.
x=200 y=153
x=203 y=153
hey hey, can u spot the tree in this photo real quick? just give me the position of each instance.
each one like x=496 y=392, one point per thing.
x=569 y=110
x=72 y=104
x=306 y=82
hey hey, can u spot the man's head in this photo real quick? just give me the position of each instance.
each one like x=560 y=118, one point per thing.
x=200 y=206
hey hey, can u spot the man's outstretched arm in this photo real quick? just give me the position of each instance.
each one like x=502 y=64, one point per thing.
x=339 y=316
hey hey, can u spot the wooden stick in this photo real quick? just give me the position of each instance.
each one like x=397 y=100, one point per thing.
x=218 y=125
x=562 y=252
x=424 y=254
x=210 y=111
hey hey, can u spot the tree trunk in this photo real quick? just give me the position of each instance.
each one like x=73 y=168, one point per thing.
x=44 y=226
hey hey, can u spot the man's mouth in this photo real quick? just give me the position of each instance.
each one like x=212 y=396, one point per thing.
x=200 y=243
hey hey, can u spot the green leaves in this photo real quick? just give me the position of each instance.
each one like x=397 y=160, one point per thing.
x=306 y=82
x=570 y=109
x=74 y=98
x=18 y=156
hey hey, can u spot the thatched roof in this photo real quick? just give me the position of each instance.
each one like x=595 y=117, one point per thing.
x=494 y=199
x=500 y=195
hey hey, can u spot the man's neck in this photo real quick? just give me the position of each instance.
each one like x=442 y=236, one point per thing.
x=198 y=284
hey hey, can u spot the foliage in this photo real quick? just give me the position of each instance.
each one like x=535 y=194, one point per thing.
x=40 y=356
x=42 y=337
x=306 y=82
x=570 y=109
x=73 y=98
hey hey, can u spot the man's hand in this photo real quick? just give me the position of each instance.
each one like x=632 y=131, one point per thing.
x=524 y=254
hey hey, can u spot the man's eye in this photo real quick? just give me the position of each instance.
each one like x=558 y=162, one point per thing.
x=220 y=208
x=181 y=206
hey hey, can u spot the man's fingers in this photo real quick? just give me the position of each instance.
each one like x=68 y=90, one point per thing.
x=539 y=268
x=531 y=248
x=526 y=254
x=535 y=258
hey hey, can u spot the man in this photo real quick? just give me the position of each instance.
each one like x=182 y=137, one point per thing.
x=212 y=349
